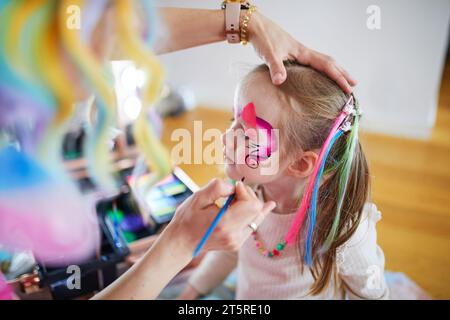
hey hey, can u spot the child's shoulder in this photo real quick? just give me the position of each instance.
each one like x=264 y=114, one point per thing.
x=370 y=212
x=361 y=253
x=366 y=229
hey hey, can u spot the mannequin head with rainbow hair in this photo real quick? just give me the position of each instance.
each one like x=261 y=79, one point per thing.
x=322 y=175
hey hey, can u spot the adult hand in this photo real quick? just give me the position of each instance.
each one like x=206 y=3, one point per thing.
x=195 y=215
x=274 y=45
x=173 y=249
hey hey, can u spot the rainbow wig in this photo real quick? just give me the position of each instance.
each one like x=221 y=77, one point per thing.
x=346 y=122
x=41 y=208
x=35 y=43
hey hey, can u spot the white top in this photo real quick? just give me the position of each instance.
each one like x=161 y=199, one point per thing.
x=360 y=265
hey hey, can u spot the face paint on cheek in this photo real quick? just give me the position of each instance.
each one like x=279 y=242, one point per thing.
x=261 y=136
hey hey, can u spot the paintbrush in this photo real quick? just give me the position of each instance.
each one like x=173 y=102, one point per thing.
x=215 y=222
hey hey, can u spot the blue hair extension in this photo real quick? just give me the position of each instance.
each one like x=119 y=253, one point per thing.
x=313 y=205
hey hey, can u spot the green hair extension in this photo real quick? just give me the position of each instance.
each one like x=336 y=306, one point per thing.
x=344 y=174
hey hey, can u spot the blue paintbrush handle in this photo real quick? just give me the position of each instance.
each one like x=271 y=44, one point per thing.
x=214 y=224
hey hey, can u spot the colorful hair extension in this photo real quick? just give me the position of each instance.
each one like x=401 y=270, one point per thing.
x=20 y=38
x=93 y=10
x=48 y=66
x=300 y=216
x=51 y=68
x=345 y=169
x=96 y=148
x=14 y=78
x=313 y=209
x=43 y=213
x=309 y=200
x=34 y=86
x=156 y=156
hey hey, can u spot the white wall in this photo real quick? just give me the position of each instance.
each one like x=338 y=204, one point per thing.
x=398 y=67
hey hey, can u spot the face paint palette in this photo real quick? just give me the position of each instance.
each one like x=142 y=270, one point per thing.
x=162 y=199
x=123 y=219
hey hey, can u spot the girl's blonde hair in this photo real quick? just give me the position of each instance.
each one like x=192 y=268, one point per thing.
x=312 y=102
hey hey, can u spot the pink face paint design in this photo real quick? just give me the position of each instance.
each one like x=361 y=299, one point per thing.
x=261 y=139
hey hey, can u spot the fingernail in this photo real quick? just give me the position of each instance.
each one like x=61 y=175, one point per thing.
x=348 y=89
x=278 y=78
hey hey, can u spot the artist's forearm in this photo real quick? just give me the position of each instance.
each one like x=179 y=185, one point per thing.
x=150 y=275
x=186 y=28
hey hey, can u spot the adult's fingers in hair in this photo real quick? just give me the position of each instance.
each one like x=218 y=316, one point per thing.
x=347 y=76
x=277 y=69
x=325 y=64
x=335 y=74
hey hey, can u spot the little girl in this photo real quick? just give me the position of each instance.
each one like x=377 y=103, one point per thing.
x=320 y=240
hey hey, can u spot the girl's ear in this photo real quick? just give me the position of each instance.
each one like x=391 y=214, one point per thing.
x=303 y=166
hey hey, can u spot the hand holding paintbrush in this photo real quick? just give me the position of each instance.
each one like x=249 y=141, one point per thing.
x=245 y=201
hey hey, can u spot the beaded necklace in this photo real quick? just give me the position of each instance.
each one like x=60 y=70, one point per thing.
x=265 y=252
x=260 y=246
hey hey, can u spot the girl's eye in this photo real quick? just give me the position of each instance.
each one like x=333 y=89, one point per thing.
x=251 y=144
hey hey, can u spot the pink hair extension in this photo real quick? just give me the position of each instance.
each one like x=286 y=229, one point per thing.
x=306 y=200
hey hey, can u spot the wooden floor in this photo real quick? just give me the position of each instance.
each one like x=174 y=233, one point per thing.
x=410 y=185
